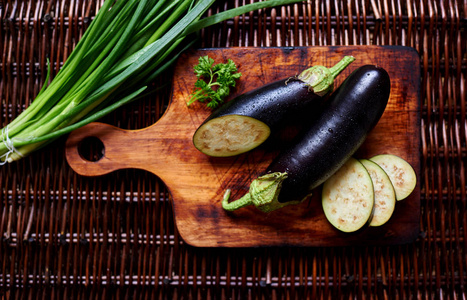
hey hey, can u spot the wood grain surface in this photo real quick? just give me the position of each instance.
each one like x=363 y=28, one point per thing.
x=197 y=182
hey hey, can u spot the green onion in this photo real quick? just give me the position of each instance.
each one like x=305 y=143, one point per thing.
x=127 y=45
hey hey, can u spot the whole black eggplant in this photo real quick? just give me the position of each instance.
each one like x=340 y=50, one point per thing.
x=351 y=112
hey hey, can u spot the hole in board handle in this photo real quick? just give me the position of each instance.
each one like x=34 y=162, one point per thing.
x=91 y=149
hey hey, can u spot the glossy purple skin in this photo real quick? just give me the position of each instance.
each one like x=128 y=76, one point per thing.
x=325 y=144
x=272 y=103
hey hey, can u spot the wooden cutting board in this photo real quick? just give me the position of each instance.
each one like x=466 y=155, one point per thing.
x=197 y=182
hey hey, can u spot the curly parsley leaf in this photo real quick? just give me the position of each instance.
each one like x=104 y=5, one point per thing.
x=214 y=81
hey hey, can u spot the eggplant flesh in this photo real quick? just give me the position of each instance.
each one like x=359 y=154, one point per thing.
x=400 y=172
x=348 y=198
x=385 y=195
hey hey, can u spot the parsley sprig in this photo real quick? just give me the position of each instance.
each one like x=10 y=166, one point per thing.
x=214 y=81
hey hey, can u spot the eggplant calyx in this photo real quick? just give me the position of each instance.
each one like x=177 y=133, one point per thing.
x=263 y=193
x=321 y=79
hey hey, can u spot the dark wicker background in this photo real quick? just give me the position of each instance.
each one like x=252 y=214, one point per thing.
x=67 y=236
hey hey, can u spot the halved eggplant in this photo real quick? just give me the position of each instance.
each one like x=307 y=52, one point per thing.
x=385 y=195
x=245 y=122
x=400 y=172
x=327 y=142
x=348 y=197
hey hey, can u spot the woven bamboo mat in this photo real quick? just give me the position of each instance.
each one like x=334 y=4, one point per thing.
x=67 y=236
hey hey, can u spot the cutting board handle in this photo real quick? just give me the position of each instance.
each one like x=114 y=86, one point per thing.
x=115 y=155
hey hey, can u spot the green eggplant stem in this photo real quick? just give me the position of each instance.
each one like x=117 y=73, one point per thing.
x=264 y=194
x=237 y=204
x=321 y=79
